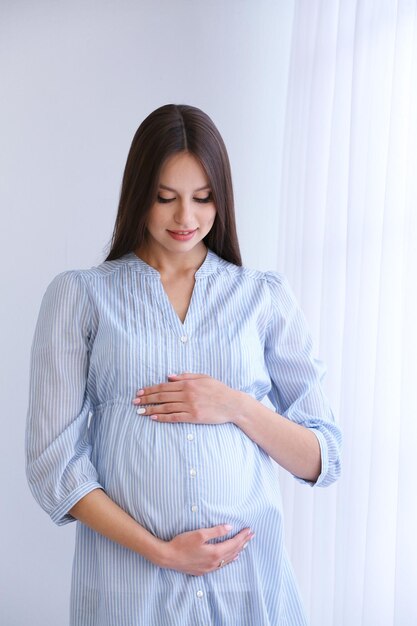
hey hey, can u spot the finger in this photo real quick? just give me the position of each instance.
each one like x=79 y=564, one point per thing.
x=166 y=409
x=238 y=541
x=158 y=398
x=224 y=562
x=160 y=388
x=216 y=531
x=172 y=417
x=241 y=540
x=231 y=548
x=187 y=376
x=151 y=409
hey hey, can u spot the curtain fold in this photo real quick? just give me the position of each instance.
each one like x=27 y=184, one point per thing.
x=347 y=241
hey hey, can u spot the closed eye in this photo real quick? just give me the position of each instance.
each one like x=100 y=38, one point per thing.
x=164 y=200
x=208 y=198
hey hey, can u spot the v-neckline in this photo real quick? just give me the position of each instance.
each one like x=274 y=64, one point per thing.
x=169 y=311
x=183 y=329
x=189 y=292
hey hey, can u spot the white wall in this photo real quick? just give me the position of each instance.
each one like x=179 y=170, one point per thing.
x=77 y=79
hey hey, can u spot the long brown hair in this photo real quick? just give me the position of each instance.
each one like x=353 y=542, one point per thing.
x=168 y=130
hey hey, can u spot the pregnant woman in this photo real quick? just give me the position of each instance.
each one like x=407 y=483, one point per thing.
x=145 y=420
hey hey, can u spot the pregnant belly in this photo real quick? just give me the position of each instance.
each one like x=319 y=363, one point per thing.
x=177 y=477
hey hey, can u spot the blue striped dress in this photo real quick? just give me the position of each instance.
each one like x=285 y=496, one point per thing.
x=102 y=334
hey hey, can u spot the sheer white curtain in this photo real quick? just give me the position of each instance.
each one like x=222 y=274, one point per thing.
x=348 y=243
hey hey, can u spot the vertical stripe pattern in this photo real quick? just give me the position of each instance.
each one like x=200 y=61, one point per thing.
x=106 y=332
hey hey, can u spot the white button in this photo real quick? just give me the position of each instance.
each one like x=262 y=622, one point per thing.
x=190 y=437
x=184 y=339
x=199 y=594
x=193 y=472
x=194 y=508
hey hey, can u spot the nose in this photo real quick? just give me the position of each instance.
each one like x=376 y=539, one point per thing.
x=183 y=213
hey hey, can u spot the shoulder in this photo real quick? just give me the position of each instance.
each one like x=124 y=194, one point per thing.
x=77 y=278
x=272 y=281
x=271 y=289
x=74 y=288
x=107 y=269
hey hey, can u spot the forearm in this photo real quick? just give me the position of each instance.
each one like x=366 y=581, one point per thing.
x=198 y=398
x=97 y=511
x=294 y=447
x=189 y=552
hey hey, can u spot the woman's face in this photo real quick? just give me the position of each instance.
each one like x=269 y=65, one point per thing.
x=184 y=211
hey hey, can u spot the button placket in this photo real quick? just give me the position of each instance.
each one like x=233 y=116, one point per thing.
x=193 y=474
x=200 y=596
x=191 y=451
x=190 y=437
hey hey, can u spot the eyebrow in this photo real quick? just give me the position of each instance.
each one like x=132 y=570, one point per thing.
x=195 y=190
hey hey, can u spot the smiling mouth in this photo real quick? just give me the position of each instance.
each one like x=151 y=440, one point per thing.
x=182 y=235
x=182 y=232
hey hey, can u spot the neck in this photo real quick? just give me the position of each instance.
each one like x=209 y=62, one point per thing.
x=173 y=264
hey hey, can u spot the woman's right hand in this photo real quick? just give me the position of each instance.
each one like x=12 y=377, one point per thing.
x=191 y=553
x=188 y=552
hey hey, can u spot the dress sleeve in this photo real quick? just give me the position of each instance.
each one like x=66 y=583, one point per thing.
x=58 y=465
x=296 y=376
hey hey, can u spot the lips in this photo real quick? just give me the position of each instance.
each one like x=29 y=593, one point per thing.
x=182 y=235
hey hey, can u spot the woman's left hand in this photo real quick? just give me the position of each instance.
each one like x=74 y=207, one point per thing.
x=195 y=398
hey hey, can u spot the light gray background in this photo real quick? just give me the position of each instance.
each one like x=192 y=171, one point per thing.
x=77 y=78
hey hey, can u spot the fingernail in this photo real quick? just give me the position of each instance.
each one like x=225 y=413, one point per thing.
x=172 y=375
x=141 y=410
x=228 y=527
x=140 y=392
x=245 y=545
x=236 y=557
x=153 y=417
